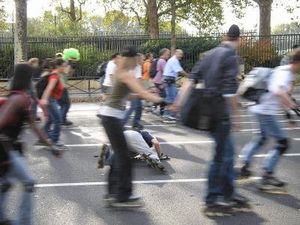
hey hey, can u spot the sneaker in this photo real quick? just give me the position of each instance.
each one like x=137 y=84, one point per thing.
x=269 y=180
x=238 y=200
x=154 y=162
x=103 y=156
x=134 y=201
x=67 y=123
x=169 y=119
x=60 y=145
x=218 y=209
x=245 y=172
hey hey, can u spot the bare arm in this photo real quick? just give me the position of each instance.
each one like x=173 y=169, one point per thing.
x=156 y=145
x=184 y=73
x=49 y=89
x=285 y=99
x=135 y=86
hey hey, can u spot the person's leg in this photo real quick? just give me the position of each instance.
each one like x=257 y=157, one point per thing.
x=228 y=173
x=129 y=111
x=65 y=104
x=251 y=148
x=56 y=119
x=49 y=121
x=138 y=112
x=281 y=145
x=122 y=164
x=216 y=178
x=137 y=144
x=4 y=188
x=170 y=96
x=168 y=92
x=20 y=171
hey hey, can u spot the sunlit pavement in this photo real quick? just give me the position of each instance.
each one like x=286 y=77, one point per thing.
x=70 y=190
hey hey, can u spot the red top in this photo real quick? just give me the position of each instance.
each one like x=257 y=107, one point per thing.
x=59 y=87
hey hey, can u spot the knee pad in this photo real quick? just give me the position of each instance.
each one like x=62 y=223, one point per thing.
x=29 y=187
x=4 y=187
x=282 y=145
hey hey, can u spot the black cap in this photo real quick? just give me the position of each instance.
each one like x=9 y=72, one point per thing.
x=234 y=31
x=129 y=51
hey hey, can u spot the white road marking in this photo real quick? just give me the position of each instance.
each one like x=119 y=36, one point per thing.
x=161 y=143
x=135 y=182
x=280 y=121
x=285 y=128
x=264 y=155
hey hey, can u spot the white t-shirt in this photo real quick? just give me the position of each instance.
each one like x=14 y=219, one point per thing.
x=110 y=69
x=172 y=67
x=138 y=72
x=270 y=103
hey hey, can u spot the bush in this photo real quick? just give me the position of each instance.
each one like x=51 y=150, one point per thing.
x=6 y=60
x=259 y=53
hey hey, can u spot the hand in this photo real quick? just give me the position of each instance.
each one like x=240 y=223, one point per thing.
x=43 y=102
x=174 y=107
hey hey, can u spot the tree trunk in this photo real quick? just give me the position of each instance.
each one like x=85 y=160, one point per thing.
x=173 y=26
x=265 y=7
x=153 y=19
x=20 y=36
x=72 y=11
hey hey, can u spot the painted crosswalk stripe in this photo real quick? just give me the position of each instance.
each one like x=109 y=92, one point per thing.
x=174 y=181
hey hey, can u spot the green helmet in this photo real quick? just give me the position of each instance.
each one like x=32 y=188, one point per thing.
x=71 y=53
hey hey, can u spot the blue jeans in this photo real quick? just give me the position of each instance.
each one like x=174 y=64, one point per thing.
x=136 y=105
x=171 y=92
x=269 y=127
x=221 y=173
x=18 y=170
x=54 y=119
x=65 y=105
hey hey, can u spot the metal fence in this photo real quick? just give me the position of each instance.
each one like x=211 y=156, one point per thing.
x=255 y=50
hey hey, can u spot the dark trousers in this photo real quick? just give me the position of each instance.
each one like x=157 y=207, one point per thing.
x=65 y=105
x=120 y=174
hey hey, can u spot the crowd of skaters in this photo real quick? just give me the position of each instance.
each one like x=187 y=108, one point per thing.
x=128 y=78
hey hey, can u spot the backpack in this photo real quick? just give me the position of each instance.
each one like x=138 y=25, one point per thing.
x=100 y=72
x=201 y=108
x=153 y=68
x=41 y=85
x=255 y=84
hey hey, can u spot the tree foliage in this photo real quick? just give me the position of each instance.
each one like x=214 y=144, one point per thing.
x=204 y=14
x=58 y=24
x=287 y=28
x=265 y=8
x=3 y=23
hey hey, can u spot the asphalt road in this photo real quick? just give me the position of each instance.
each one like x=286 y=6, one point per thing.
x=69 y=190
